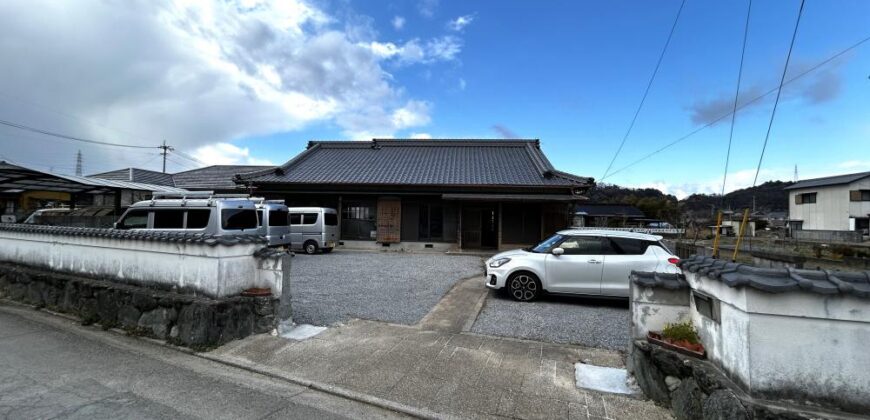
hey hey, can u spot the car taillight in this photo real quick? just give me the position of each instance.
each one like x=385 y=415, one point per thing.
x=673 y=260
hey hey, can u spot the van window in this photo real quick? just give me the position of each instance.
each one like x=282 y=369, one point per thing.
x=278 y=218
x=168 y=219
x=134 y=219
x=330 y=219
x=238 y=219
x=309 y=218
x=198 y=219
x=295 y=218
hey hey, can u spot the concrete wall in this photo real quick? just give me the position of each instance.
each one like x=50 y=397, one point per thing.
x=210 y=270
x=796 y=345
x=832 y=208
x=828 y=235
x=653 y=307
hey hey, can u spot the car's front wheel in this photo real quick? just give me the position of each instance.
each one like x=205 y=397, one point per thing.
x=524 y=286
x=310 y=247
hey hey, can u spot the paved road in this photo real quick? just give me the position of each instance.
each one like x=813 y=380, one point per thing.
x=51 y=367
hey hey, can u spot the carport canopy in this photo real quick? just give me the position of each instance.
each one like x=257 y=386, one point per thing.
x=16 y=177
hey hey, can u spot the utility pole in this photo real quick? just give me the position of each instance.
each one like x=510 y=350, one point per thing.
x=79 y=163
x=166 y=149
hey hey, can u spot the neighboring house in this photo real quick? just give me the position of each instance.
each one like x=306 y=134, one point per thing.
x=429 y=193
x=605 y=215
x=835 y=203
x=217 y=178
x=143 y=176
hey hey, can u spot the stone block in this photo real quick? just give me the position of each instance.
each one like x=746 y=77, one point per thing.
x=724 y=405
x=107 y=308
x=143 y=301
x=649 y=377
x=128 y=316
x=707 y=377
x=196 y=325
x=670 y=363
x=158 y=321
x=687 y=401
x=264 y=324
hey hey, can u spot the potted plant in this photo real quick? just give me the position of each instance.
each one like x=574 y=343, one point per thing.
x=680 y=337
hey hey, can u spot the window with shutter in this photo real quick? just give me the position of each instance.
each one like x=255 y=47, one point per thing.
x=855 y=195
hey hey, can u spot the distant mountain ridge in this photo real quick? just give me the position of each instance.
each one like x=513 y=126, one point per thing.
x=769 y=196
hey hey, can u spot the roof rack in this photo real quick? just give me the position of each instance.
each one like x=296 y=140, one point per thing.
x=195 y=194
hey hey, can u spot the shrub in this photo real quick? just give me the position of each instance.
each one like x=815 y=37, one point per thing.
x=681 y=331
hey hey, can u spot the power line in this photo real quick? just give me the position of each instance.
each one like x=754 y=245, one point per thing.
x=646 y=92
x=736 y=96
x=779 y=91
x=189 y=157
x=68 y=137
x=744 y=105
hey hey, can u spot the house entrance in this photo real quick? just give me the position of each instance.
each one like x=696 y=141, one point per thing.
x=480 y=227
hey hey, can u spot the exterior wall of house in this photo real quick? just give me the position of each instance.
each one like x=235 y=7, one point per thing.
x=832 y=210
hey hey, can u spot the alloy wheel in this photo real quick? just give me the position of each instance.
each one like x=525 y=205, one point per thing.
x=524 y=287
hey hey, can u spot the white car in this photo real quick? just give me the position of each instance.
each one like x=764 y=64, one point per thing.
x=579 y=262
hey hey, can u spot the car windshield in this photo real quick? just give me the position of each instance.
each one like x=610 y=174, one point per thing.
x=547 y=244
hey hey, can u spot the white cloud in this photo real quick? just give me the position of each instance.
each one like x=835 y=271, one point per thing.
x=422 y=136
x=445 y=48
x=857 y=165
x=398 y=23
x=462 y=84
x=413 y=114
x=198 y=73
x=427 y=8
x=228 y=154
x=460 y=22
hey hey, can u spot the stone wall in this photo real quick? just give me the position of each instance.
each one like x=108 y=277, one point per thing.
x=697 y=389
x=183 y=319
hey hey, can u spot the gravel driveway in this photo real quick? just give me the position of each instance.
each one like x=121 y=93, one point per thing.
x=584 y=321
x=398 y=288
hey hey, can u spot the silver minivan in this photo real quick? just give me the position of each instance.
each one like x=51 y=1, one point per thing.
x=195 y=213
x=274 y=221
x=313 y=229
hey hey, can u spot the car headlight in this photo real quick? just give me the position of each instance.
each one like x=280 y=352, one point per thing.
x=499 y=262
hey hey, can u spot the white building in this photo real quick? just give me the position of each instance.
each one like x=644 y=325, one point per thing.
x=836 y=203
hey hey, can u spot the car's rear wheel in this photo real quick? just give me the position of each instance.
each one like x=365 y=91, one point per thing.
x=524 y=287
x=327 y=250
x=310 y=247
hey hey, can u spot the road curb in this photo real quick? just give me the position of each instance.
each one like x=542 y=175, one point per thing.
x=331 y=389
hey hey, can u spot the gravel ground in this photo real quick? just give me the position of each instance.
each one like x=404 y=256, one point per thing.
x=398 y=288
x=584 y=321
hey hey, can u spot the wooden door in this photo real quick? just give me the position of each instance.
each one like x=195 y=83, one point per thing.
x=389 y=220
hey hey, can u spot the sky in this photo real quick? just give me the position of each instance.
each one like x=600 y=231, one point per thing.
x=252 y=81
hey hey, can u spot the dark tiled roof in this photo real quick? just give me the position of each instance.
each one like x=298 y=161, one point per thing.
x=663 y=280
x=216 y=177
x=137 y=175
x=608 y=210
x=774 y=280
x=830 y=180
x=421 y=162
x=140 y=235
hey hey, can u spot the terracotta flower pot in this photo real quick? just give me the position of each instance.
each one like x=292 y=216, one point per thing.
x=680 y=346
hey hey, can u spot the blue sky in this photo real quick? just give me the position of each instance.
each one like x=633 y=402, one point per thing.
x=570 y=73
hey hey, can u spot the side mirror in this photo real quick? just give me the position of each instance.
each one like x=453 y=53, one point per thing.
x=557 y=251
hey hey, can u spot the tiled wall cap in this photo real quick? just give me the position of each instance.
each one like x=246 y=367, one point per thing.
x=141 y=235
x=779 y=280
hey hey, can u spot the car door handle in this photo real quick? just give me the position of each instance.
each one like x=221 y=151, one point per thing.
x=594 y=261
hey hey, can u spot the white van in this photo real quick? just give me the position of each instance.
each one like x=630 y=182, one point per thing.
x=313 y=229
x=204 y=213
x=274 y=221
